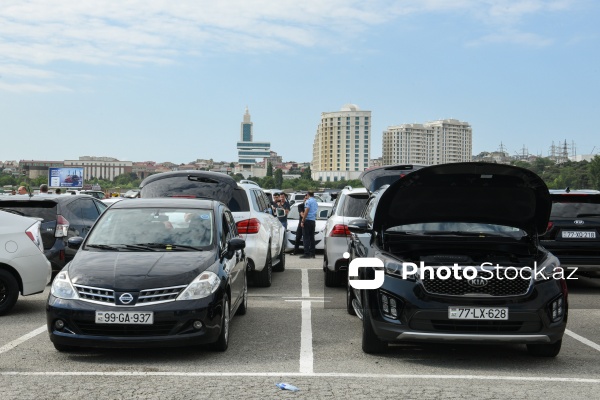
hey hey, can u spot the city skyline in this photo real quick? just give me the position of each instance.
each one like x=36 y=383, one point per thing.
x=169 y=82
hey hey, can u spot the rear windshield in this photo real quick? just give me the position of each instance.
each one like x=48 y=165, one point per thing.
x=36 y=209
x=239 y=201
x=353 y=205
x=575 y=206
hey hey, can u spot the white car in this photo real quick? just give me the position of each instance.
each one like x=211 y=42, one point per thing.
x=23 y=266
x=249 y=206
x=323 y=212
x=348 y=206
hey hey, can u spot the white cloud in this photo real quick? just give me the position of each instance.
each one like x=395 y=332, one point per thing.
x=38 y=33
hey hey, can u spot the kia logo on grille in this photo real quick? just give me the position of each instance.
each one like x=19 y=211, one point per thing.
x=578 y=222
x=126 y=298
x=477 y=282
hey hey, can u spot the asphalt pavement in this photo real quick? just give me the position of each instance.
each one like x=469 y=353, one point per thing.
x=298 y=332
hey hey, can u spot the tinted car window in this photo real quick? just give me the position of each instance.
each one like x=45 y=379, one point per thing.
x=38 y=209
x=575 y=206
x=239 y=201
x=353 y=205
x=88 y=209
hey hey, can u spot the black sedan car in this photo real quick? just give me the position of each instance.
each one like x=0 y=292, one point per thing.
x=454 y=256
x=152 y=272
x=574 y=230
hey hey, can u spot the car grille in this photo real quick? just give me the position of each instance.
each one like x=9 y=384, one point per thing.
x=95 y=294
x=461 y=287
x=149 y=296
x=157 y=329
x=477 y=326
x=145 y=297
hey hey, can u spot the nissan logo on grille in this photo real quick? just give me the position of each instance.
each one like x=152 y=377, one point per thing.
x=578 y=222
x=126 y=298
x=477 y=282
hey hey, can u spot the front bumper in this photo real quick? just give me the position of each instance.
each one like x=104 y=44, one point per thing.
x=424 y=317
x=172 y=324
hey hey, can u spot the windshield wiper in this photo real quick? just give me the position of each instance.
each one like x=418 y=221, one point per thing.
x=142 y=246
x=168 y=246
x=103 y=247
x=463 y=233
x=587 y=215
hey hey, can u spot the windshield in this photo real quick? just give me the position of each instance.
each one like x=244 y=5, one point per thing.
x=323 y=212
x=458 y=228
x=575 y=206
x=165 y=226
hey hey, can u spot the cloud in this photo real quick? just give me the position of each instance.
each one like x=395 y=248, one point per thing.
x=40 y=33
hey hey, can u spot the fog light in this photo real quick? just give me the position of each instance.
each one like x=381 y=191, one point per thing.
x=197 y=325
x=385 y=304
x=557 y=309
x=59 y=324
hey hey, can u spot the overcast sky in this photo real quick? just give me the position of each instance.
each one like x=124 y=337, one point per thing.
x=169 y=80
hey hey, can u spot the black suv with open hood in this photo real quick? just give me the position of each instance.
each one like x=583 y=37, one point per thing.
x=456 y=252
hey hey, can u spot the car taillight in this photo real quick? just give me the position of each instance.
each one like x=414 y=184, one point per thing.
x=62 y=226
x=33 y=232
x=340 y=231
x=550 y=225
x=251 y=225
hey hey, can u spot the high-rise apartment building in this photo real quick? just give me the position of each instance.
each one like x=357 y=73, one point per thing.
x=342 y=145
x=436 y=142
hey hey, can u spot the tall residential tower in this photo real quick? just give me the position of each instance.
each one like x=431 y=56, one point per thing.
x=342 y=145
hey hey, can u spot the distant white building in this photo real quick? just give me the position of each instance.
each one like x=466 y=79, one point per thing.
x=436 y=142
x=342 y=145
x=101 y=167
x=582 y=157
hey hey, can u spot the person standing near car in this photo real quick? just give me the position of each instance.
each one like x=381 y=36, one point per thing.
x=299 y=228
x=43 y=190
x=283 y=209
x=22 y=190
x=308 y=225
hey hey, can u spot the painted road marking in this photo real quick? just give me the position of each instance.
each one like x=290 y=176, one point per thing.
x=22 y=339
x=306 y=347
x=583 y=340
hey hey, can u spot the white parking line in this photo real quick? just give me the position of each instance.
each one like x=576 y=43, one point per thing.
x=552 y=379
x=583 y=340
x=22 y=339
x=306 y=349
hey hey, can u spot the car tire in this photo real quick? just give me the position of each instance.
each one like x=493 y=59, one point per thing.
x=349 y=299
x=332 y=278
x=545 y=350
x=371 y=344
x=264 y=278
x=243 y=308
x=9 y=291
x=223 y=341
x=63 y=348
x=280 y=267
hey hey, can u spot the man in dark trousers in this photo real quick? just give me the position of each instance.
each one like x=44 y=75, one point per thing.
x=299 y=229
x=308 y=223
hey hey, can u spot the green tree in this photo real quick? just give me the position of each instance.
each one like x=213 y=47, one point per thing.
x=269 y=169
x=594 y=172
x=278 y=178
x=306 y=174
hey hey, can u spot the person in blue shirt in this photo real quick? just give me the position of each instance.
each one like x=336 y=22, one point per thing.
x=308 y=225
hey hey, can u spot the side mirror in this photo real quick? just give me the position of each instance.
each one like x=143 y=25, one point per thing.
x=233 y=245
x=359 y=225
x=74 y=242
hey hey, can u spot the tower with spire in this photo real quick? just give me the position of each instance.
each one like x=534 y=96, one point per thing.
x=248 y=149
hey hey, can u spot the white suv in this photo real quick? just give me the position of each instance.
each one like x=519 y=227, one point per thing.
x=23 y=266
x=262 y=231
x=348 y=206
x=249 y=205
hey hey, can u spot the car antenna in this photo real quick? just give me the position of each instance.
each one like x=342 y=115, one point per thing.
x=568 y=189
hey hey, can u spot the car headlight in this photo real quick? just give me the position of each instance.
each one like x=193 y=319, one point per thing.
x=397 y=269
x=62 y=287
x=547 y=268
x=203 y=286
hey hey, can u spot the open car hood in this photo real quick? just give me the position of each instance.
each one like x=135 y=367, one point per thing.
x=467 y=192
x=190 y=184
